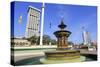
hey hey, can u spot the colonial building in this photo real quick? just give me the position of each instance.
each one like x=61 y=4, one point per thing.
x=33 y=19
x=19 y=42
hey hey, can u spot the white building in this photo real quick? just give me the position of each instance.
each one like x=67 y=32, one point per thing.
x=19 y=42
x=33 y=19
x=86 y=38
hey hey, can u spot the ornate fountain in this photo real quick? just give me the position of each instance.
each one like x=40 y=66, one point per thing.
x=62 y=36
x=62 y=54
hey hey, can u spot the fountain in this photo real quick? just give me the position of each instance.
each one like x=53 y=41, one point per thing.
x=62 y=54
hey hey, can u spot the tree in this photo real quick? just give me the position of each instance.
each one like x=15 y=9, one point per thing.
x=33 y=40
x=53 y=42
x=46 y=39
x=38 y=40
x=70 y=43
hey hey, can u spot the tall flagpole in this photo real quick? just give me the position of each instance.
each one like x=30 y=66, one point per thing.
x=20 y=21
x=42 y=23
x=50 y=38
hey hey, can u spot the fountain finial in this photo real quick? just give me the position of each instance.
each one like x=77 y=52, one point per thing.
x=62 y=25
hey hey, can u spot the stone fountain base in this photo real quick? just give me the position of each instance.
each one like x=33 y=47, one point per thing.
x=62 y=56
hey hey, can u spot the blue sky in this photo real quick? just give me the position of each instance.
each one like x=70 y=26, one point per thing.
x=74 y=16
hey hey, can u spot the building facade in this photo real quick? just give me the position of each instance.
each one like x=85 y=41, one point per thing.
x=33 y=19
x=86 y=38
x=19 y=42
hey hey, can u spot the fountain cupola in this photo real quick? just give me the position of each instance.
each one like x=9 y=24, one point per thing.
x=62 y=25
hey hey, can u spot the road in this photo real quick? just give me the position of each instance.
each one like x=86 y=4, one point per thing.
x=88 y=52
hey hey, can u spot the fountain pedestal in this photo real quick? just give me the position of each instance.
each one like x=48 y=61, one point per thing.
x=62 y=54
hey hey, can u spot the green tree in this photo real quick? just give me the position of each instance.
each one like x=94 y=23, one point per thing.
x=38 y=40
x=53 y=42
x=46 y=39
x=33 y=40
x=70 y=43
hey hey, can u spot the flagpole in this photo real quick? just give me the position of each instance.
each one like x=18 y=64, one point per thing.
x=19 y=22
x=42 y=23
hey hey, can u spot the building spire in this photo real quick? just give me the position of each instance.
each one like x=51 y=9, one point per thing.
x=86 y=37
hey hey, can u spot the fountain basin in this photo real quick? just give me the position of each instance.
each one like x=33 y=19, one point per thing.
x=62 y=56
x=47 y=61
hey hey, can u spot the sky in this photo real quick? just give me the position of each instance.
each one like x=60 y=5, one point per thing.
x=74 y=16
